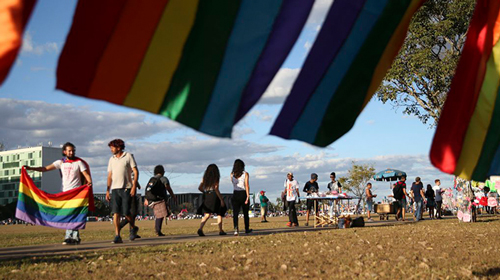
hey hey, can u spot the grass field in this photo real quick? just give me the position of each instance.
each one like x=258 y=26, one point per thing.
x=426 y=250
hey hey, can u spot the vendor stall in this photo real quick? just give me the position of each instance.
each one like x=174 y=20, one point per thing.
x=323 y=218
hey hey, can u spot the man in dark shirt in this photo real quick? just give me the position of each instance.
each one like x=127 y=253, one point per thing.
x=311 y=187
x=400 y=195
x=417 y=191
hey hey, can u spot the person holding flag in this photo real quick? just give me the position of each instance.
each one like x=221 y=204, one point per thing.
x=75 y=172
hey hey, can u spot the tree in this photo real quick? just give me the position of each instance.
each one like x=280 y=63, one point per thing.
x=355 y=182
x=421 y=74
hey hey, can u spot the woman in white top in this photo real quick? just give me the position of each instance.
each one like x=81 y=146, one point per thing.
x=241 y=195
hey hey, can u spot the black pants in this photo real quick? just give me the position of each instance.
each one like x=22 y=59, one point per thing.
x=134 y=209
x=158 y=223
x=239 y=199
x=438 y=208
x=292 y=216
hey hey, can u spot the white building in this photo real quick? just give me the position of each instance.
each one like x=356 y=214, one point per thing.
x=10 y=170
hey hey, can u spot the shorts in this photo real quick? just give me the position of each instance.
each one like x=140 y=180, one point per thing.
x=263 y=211
x=120 y=201
x=403 y=203
x=310 y=205
x=398 y=204
x=369 y=205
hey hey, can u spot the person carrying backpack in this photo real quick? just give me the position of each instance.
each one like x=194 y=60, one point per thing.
x=156 y=197
x=400 y=194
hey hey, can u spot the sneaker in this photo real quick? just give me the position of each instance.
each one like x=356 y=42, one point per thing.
x=68 y=242
x=247 y=231
x=236 y=232
x=200 y=232
x=370 y=220
x=295 y=225
x=160 y=234
x=289 y=224
x=133 y=233
x=77 y=242
x=306 y=224
x=222 y=233
x=117 y=240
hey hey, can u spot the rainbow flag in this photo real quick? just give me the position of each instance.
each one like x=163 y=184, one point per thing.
x=201 y=63
x=66 y=210
x=467 y=139
x=356 y=45
x=14 y=15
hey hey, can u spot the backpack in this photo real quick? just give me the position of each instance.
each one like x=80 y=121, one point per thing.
x=398 y=191
x=358 y=222
x=155 y=190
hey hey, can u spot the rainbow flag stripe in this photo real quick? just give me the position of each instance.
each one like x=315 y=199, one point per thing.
x=14 y=15
x=66 y=210
x=347 y=63
x=467 y=139
x=201 y=63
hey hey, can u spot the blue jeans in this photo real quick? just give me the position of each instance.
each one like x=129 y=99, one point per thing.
x=418 y=209
x=72 y=234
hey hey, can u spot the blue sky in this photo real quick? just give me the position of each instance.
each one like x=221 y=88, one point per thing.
x=32 y=111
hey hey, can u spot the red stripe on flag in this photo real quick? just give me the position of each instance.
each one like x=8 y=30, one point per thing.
x=462 y=98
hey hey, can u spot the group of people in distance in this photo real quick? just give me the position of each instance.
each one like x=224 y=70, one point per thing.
x=431 y=197
x=291 y=194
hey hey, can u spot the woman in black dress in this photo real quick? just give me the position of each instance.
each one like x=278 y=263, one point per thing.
x=431 y=201
x=213 y=203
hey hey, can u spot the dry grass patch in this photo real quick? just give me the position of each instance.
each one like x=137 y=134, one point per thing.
x=426 y=250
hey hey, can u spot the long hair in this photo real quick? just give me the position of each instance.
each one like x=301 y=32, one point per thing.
x=211 y=177
x=238 y=168
x=430 y=191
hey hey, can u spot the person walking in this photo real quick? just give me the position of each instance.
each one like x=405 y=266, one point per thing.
x=369 y=200
x=431 y=203
x=121 y=189
x=335 y=188
x=241 y=195
x=134 y=208
x=439 y=197
x=73 y=169
x=400 y=194
x=292 y=193
x=417 y=192
x=213 y=202
x=160 y=207
x=310 y=188
x=263 y=206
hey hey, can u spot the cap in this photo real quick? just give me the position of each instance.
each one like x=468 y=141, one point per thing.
x=262 y=192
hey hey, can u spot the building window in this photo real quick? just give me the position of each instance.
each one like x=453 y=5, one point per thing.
x=40 y=154
x=32 y=162
x=11 y=164
x=6 y=173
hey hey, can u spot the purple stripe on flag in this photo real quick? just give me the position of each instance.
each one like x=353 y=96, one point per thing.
x=286 y=30
x=32 y=220
x=336 y=28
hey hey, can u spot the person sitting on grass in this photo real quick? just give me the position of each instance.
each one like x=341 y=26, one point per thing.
x=213 y=203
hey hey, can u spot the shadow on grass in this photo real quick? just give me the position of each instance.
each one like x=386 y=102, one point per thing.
x=487 y=273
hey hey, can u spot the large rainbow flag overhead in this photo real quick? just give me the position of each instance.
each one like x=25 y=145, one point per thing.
x=14 y=15
x=66 y=210
x=201 y=63
x=349 y=59
x=467 y=139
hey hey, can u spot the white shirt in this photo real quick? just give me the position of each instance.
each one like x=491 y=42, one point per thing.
x=121 y=170
x=437 y=191
x=71 y=173
x=291 y=188
x=239 y=183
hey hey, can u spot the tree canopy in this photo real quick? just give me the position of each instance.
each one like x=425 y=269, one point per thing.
x=421 y=74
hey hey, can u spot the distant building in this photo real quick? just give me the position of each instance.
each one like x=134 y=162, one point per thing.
x=10 y=170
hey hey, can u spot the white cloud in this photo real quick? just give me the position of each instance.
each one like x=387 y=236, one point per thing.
x=318 y=12
x=31 y=47
x=280 y=86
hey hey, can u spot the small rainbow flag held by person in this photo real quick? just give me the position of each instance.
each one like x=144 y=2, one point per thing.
x=467 y=139
x=66 y=210
x=349 y=59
